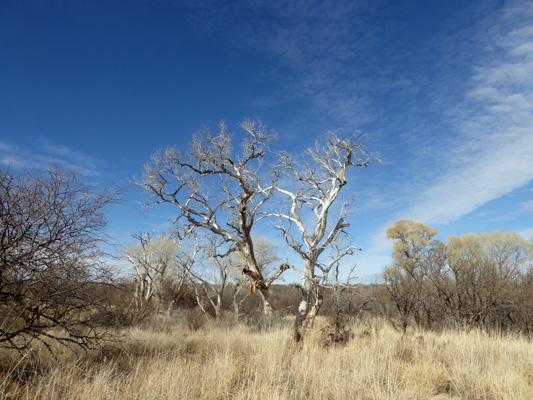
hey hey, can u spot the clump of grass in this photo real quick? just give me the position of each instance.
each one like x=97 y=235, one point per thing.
x=238 y=362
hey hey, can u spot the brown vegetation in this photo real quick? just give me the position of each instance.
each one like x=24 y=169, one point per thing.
x=474 y=281
x=51 y=232
x=167 y=360
x=459 y=314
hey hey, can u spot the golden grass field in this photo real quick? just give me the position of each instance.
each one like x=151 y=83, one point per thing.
x=169 y=361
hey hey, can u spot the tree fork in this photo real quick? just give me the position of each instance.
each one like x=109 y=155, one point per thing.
x=264 y=287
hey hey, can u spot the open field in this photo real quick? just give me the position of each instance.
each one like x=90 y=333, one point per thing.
x=169 y=361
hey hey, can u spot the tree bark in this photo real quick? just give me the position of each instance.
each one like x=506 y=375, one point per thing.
x=258 y=282
x=303 y=307
x=218 y=307
x=267 y=307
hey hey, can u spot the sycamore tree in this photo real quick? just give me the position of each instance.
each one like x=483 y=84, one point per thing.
x=314 y=217
x=212 y=276
x=219 y=189
x=152 y=261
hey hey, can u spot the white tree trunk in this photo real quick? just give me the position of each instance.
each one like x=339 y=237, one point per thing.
x=303 y=307
x=218 y=307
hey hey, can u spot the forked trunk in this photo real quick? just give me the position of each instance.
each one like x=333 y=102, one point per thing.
x=258 y=282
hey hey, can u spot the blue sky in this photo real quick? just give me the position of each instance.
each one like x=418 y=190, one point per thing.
x=443 y=88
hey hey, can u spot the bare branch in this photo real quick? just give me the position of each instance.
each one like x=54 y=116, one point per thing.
x=317 y=182
x=51 y=235
x=215 y=187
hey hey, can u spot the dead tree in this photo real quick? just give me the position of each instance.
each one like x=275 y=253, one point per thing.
x=217 y=189
x=318 y=180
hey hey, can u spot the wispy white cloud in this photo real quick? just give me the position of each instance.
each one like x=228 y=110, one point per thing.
x=489 y=151
x=493 y=146
x=38 y=154
x=316 y=52
x=527 y=208
x=72 y=158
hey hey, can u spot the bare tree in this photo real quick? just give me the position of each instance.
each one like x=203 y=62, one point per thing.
x=213 y=278
x=485 y=270
x=152 y=259
x=319 y=179
x=339 y=287
x=51 y=258
x=217 y=189
x=189 y=256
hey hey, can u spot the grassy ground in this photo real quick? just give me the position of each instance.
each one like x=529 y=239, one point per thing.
x=169 y=361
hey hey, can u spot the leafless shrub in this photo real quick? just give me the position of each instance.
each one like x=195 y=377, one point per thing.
x=121 y=311
x=51 y=235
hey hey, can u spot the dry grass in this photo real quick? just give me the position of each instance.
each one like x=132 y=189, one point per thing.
x=174 y=362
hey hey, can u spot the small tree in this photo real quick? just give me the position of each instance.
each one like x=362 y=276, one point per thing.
x=213 y=277
x=51 y=235
x=406 y=279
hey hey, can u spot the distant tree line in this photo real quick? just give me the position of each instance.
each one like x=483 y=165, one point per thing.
x=480 y=280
